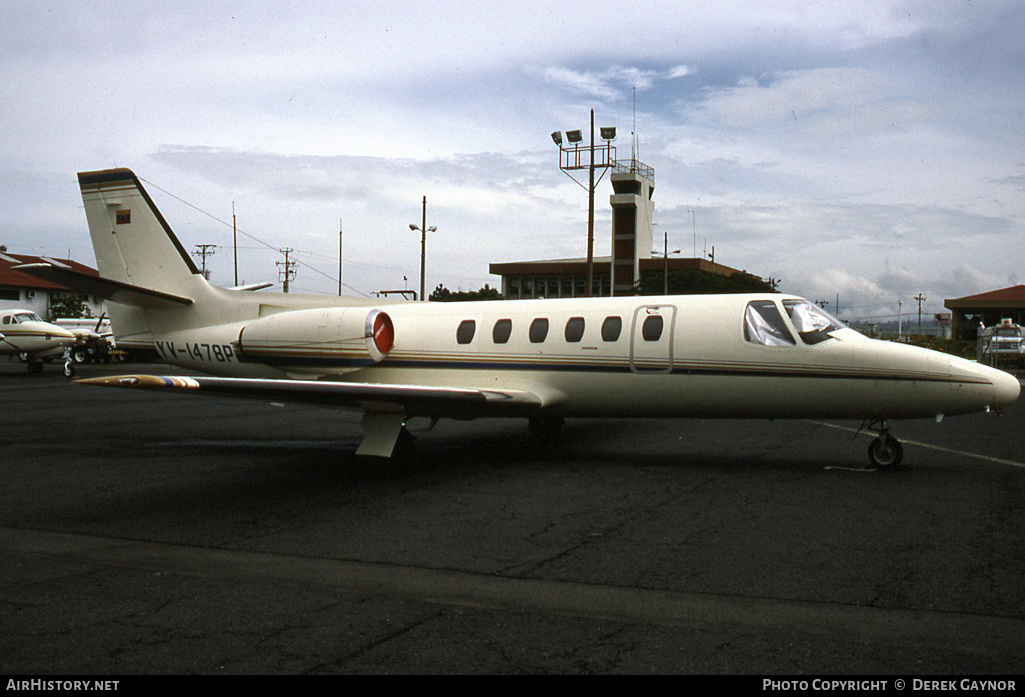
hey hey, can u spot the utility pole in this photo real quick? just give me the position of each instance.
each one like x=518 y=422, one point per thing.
x=203 y=251
x=286 y=271
x=234 y=239
x=339 y=257
x=921 y=299
x=694 y=229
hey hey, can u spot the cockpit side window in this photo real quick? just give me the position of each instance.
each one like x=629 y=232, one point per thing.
x=812 y=323
x=763 y=324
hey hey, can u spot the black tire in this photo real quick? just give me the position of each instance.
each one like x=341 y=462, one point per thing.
x=69 y=369
x=885 y=452
x=79 y=355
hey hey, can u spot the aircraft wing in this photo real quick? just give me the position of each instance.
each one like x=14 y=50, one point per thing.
x=411 y=400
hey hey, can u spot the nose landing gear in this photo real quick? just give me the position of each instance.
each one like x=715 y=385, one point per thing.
x=885 y=451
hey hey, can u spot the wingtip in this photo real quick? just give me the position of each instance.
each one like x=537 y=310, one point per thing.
x=141 y=381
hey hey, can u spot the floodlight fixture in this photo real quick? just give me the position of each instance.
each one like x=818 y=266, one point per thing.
x=608 y=132
x=414 y=227
x=557 y=137
x=574 y=136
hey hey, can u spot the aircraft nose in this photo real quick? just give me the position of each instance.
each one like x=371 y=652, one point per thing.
x=1006 y=388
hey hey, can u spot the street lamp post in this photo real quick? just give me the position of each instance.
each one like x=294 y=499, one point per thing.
x=665 y=255
x=423 y=229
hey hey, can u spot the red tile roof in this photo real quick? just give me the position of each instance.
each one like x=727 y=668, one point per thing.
x=1004 y=296
x=9 y=277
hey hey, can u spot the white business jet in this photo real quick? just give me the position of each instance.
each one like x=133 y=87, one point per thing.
x=722 y=356
x=25 y=334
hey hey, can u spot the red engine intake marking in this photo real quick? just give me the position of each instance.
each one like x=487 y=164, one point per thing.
x=384 y=333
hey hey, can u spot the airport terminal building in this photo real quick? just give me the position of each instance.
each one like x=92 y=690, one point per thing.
x=633 y=184
x=989 y=308
x=24 y=292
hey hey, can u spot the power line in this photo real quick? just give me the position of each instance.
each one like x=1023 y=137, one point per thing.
x=243 y=232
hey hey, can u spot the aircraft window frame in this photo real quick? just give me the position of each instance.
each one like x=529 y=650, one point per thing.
x=611 y=328
x=812 y=323
x=466 y=331
x=538 y=331
x=652 y=328
x=575 y=329
x=764 y=325
x=502 y=331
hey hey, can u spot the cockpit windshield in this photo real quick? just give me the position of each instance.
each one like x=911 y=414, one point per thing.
x=20 y=317
x=812 y=323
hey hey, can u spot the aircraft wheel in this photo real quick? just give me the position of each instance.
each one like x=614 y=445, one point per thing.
x=885 y=451
x=69 y=369
x=79 y=355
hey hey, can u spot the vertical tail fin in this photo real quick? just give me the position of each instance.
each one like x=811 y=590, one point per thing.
x=132 y=241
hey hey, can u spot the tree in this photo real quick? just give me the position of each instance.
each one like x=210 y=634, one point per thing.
x=694 y=282
x=444 y=295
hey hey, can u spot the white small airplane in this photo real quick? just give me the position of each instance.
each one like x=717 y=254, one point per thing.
x=25 y=334
x=726 y=356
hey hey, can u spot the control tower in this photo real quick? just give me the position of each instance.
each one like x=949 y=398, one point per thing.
x=633 y=184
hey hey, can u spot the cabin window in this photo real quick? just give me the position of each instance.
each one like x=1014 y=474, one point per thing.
x=651 y=330
x=574 y=329
x=501 y=332
x=467 y=328
x=812 y=323
x=763 y=324
x=538 y=330
x=611 y=328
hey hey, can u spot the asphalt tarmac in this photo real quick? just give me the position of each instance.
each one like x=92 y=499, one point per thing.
x=145 y=533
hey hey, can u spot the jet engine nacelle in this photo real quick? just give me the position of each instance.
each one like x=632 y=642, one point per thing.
x=333 y=338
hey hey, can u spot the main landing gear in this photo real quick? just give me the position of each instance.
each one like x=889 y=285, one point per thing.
x=885 y=451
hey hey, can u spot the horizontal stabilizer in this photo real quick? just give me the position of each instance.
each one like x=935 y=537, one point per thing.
x=253 y=286
x=115 y=291
x=413 y=400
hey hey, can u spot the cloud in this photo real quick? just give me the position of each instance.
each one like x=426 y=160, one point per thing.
x=612 y=83
x=679 y=71
x=795 y=95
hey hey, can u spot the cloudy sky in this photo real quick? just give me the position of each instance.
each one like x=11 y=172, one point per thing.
x=870 y=149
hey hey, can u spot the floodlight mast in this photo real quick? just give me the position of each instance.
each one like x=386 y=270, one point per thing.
x=607 y=152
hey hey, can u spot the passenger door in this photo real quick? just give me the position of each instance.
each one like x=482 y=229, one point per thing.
x=651 y=339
